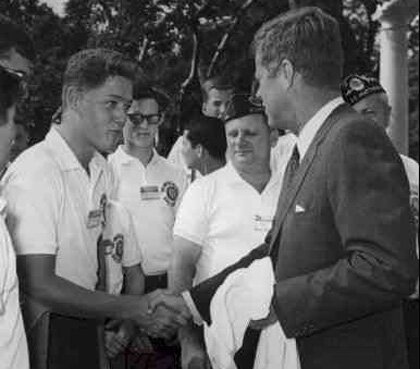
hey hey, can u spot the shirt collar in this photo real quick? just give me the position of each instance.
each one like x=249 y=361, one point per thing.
x=124 y=158
x=311 y=128
x=65 y=156
x=232 y=176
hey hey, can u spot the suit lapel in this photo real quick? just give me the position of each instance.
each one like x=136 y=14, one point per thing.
x=287 y=199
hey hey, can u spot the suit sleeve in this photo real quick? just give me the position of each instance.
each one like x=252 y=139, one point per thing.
x=368 y=195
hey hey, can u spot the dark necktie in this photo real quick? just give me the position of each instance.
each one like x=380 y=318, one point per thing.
x=289 y=175
x=291 y=169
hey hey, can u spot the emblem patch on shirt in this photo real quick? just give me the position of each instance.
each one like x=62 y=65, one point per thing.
x=113 y=248
x=171 y=192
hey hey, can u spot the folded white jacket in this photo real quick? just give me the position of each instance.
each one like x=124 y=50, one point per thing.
x=245 y=296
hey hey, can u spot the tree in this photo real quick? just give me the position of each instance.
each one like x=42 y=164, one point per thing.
x=162 y=34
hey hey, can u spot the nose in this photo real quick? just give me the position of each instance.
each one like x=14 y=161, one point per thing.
x=120 y=116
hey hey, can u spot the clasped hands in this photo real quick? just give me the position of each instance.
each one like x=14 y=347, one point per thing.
x=166 y=313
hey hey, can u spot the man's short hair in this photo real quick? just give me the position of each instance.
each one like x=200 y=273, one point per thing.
x=210 y=133
x=215 y=83
x=89 y=69
x=310 y=39
x=14 y=36
x=143 y=90
x=10 y=92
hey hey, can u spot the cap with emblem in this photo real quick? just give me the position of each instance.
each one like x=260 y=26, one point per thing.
x=356 y=87
x=242 y=105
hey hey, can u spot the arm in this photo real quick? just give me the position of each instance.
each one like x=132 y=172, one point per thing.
x=181 y=275
x=368 y=195
x=39 y=281
x=134 y=280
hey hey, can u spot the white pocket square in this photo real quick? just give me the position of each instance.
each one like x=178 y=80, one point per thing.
x=300 y=209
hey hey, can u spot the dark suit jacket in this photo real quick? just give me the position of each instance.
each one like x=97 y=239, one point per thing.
x=345 y=263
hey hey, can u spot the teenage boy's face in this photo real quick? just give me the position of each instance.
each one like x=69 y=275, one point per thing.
x=217 y=102
x=103 y=113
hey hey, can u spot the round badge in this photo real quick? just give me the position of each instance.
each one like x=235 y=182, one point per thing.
x=357 y=84
x=118 y=248
x=171 y=193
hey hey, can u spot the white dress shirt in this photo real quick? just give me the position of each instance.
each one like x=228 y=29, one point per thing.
x=309 y=131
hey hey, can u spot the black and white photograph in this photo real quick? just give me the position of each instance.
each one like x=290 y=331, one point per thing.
x=209 y=184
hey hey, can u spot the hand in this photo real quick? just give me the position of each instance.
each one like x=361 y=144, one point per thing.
x=117 y=337
x=165 y=323
x=156 y=319
x=194 y=356
x=141 y=345
x=260 y=325
x=171 y=301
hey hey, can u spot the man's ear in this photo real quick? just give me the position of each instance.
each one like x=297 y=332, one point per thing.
x=200 y=151
x=72 y=97
x=204 y=108
x=289 y=72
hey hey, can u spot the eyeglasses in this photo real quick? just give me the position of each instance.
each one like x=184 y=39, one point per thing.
x=151 y=119
x=19 y=77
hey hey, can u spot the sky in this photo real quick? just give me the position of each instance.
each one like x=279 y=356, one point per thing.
x=57 y=5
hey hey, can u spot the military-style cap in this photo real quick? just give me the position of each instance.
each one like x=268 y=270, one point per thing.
x=242 y=105
x=356 y=87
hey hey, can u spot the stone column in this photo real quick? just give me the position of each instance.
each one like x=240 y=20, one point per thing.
x=395 y=17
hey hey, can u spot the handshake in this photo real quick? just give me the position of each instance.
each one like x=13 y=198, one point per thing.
x=161 y=314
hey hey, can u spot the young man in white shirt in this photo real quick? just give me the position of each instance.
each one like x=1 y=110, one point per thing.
x=58 y=193
x=150 y=188
x=13 y=345
x=226 y=214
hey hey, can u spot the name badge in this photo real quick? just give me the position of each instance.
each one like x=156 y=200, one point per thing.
x=150 y=193
x=95 y=218
x=263 y=224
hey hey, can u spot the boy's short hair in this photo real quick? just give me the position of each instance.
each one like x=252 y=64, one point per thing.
x=210 y=133
x=90 y=68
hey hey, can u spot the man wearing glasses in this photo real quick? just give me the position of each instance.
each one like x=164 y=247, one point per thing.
x=151 y=189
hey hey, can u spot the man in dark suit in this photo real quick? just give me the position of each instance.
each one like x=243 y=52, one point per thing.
x=343 y=241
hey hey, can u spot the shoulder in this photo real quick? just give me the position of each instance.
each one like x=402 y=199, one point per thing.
x=35 y=165
x=173 y=172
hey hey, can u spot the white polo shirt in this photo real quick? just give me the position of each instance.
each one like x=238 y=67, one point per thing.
x=151 y=194
x=226 y=217
x=13 y=346
x=56 y=208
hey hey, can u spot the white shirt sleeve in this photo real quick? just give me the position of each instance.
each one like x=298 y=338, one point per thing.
x=33 y=212
x=121 y=223
x=132 y=252
x=193 y=215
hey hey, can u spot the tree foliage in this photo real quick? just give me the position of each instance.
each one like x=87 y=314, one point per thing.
x=161 y=34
